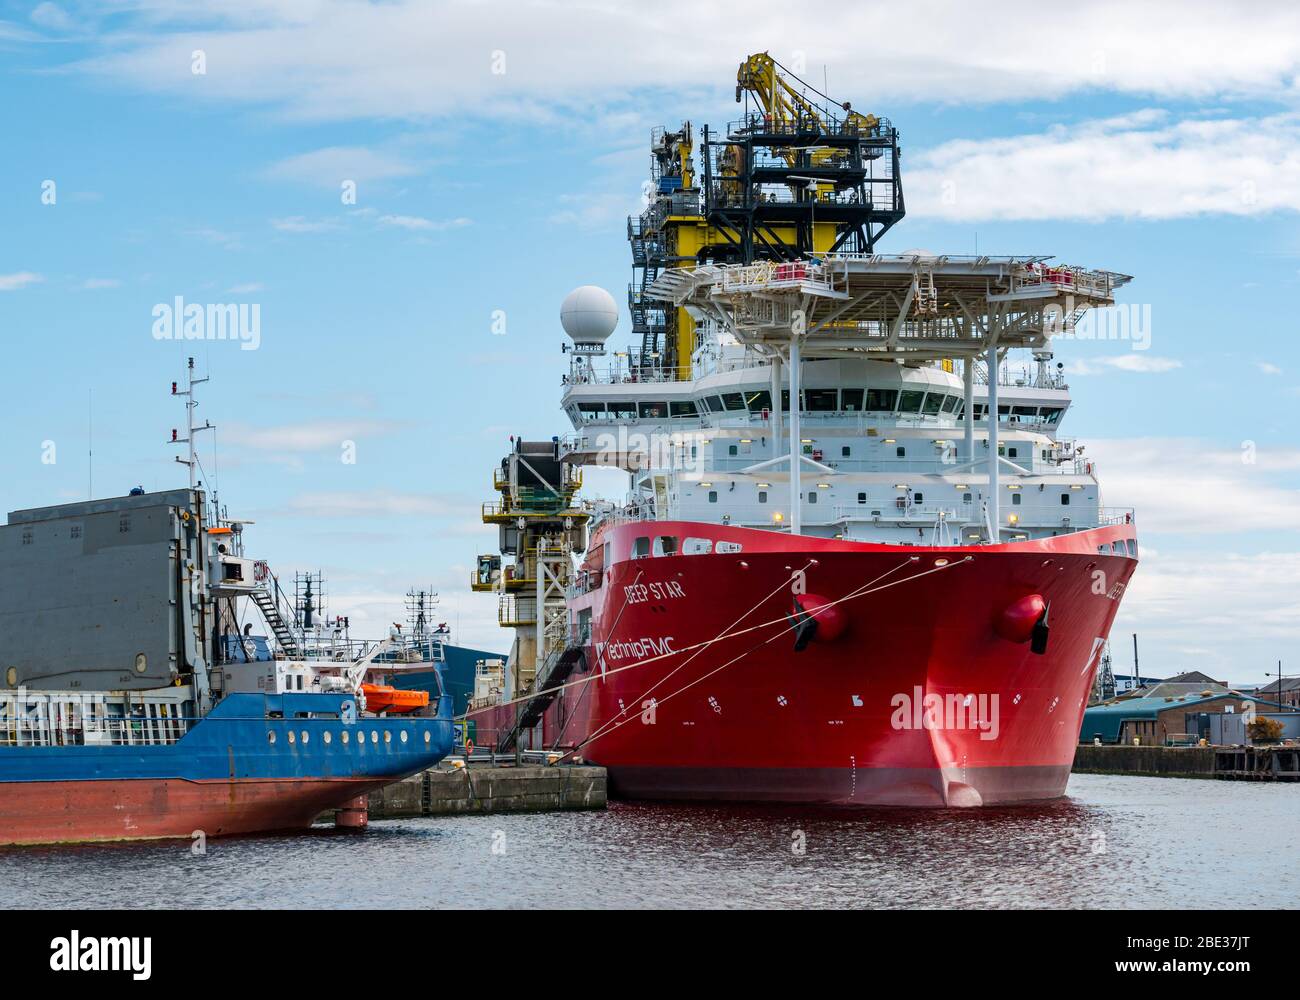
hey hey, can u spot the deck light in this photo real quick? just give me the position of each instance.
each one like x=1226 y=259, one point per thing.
x=823 y=486
x=778 y=517
x=1013 y=519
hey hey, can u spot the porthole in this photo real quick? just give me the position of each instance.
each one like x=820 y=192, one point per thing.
x=427 y=737
x=388 y=736
x=292 y=738
x=374 y=736
x=404 y=736
x=270 y=736
x=305 y=737
x=346 y=737
x=327 y=737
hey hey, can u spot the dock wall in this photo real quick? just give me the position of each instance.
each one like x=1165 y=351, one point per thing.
x=491 y=790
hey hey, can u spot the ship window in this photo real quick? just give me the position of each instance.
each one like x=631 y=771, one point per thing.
x=622 y=411
x=1011 y=452
x=715 y=404
x=979 y=410
x=917 y=498
x=666 y=545
x=933 y=403
x=733 y=449
x=862 y=498
x=759 y=401
x=909 y=401
x=589 y=412
x=1025 y=411
x=1101 y=550
x=846 y=451
x=900 y=451
x=1132 y=548
x=785 y=400
x=812 y=497
x=1051 y=414
x=950 y=403
x=640 y=548
x=881 y=400
x=27 y=536
x=683 y=409
x=851 y=399
x=733 y=400
x=821 y=400
x=713 y=496
x=694 y=547
x=76 y=531
x=1003 y=411
x=123 y=524
x=653 y=411
x=965 y=498
x=1065 y=498
x=1015 y=498
x=762 y=496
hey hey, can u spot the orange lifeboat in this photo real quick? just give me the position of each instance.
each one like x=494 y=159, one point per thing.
x=382 y=698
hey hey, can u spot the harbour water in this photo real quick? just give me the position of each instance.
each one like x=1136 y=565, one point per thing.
x=1114 y=842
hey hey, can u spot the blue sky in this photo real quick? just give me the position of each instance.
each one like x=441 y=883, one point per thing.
x=496 y=151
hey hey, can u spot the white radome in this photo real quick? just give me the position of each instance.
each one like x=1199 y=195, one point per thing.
x=589 y=315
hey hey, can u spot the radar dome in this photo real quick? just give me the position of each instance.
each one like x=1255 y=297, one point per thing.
x=589 y=315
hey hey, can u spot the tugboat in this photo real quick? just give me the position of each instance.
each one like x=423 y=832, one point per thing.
x=135 y=704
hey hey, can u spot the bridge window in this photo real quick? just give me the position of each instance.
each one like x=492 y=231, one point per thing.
x=697 y=546
x=715 y=404
x=686 y=408
x=821 y=400
x=666 y=545
x=909 y=401
x=733 y=400
x=759 y=401
x=622 y=411
x=950 y=403
x=933 y=402
x=653 y=411
x=851 y=399
x=1051 y=414
x=589 y=412
x=640 y=547
x=881 y=400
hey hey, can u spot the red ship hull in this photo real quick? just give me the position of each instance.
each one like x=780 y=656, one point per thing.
x=919 y=686
x=52 y=812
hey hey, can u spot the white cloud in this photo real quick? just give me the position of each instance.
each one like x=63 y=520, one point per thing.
x=245 y=288
x=52 y=16
x=331 y=166
x=302 y=437
x=417 y=222
x=1186 y=485
x=335 y=59
x=299 y=224
x=20 y=279
x=1134 y=362
x=1143 y=165
x=1268 y=368
x=92 y=284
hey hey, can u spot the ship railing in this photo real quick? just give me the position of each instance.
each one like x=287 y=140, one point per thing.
x=151 y=730
x=774 y=275
x=1109 y=516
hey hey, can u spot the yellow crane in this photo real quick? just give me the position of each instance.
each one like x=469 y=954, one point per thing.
x=786 y=107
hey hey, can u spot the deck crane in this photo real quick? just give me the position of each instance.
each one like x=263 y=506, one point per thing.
x=788 y=108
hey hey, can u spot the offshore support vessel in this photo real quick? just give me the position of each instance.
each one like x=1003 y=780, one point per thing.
x=858 y=564
x=136 y=702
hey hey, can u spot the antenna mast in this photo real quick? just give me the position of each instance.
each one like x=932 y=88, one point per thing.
x=191 y=428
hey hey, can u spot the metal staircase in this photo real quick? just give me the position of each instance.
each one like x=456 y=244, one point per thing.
x=555 y=671
x=266 y=602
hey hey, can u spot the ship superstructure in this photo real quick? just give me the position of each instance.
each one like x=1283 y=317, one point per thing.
x=858 y=563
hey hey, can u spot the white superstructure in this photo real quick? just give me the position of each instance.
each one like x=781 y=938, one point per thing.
x=892 y=358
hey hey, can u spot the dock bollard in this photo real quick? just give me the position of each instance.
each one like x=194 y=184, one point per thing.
x=353 y=814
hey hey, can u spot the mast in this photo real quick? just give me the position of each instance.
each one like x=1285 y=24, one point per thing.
x=191 y=404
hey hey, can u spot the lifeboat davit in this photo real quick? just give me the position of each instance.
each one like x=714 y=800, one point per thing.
x=382 y=698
